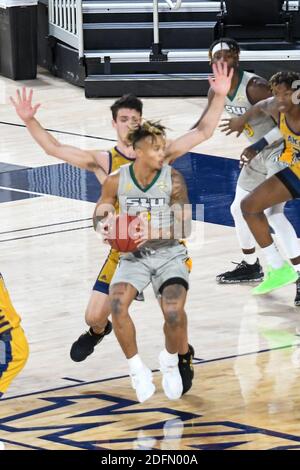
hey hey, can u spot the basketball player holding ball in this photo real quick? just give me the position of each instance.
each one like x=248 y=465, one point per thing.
x=126 y=113
x=148 y=186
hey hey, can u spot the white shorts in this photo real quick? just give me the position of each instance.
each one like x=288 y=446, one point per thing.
x=263 y=166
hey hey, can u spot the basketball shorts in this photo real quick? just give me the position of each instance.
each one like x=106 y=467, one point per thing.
x=263 y=166
x=14 y=353
x=107 y=271
x=290 y=177
x=154 y=266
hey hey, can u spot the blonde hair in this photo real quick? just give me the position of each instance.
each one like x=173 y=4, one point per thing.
x=151 y=129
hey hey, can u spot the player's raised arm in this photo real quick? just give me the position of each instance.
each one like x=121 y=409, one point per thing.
x=90 y=160
x=220 y=84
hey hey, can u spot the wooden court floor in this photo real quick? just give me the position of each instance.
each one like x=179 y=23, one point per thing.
x=246 y=389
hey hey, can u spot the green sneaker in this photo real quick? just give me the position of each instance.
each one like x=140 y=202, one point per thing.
x=276 y=278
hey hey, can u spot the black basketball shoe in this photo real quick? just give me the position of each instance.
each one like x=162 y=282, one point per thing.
x=86 y=343
x=297 y=298
x=243 y=272
x=186 y=369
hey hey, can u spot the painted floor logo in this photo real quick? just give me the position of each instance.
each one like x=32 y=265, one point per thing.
x=55 y=420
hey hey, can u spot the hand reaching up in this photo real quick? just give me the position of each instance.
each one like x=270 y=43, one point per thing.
x=23 y=105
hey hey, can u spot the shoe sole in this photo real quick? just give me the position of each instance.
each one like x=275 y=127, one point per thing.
x=240 y=281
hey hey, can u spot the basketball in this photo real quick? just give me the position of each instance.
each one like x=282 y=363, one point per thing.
x=125 y=228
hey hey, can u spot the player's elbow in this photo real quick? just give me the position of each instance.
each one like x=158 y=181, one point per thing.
x=53 y=150
x=207 y=132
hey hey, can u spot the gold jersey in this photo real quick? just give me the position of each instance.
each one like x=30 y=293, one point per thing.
x=117 y=159
x=291 y=153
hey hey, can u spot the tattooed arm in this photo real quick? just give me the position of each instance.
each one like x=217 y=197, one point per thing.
x=181 y=206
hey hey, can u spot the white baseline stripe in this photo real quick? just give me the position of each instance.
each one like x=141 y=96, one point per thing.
x=28 y=192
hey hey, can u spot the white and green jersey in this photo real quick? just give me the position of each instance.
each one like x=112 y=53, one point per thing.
x=238 y=104
x=154 y=199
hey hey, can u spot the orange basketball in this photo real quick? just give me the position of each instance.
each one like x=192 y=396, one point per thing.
x=126 y=227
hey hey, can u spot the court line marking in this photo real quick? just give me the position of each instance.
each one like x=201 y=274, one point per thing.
x=70 y=379
x=27 y=446
x=6 y=188
x=44 y=226
x=44 y=234
x=155 y=370
x=62 y=132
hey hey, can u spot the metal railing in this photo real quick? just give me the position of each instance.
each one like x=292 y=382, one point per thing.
x=174 y=6
x=65 y=22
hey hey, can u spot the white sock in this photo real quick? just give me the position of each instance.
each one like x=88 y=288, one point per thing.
x=250 y=258
x=273 y=257
x=135 y=364
x=170 y=359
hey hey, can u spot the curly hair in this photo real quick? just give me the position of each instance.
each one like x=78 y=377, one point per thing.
x=286 y=78
x=231 y=43
x=151 y=129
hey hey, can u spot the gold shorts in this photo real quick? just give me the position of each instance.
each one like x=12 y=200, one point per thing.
x=107 y=271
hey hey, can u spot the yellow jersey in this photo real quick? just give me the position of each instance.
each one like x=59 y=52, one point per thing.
x=291 y=153
x=117 y=159
x=8 y=316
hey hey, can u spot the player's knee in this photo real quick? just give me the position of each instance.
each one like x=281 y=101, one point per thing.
x=174 y=313
x=94 y=317
x=248 y=206
x=117 y=307
x=173 y=316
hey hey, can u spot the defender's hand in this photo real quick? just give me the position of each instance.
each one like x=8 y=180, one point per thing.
x=23 y=105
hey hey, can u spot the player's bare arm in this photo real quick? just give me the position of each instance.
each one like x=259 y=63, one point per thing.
x=205 y=129
x=271 y=139
x=266 y=107
x=91 y=160
x=258 y=90
x=180 y=203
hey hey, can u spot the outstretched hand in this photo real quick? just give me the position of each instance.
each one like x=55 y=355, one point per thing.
x=229 y=126
x=221 y=81
x=23 y=105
